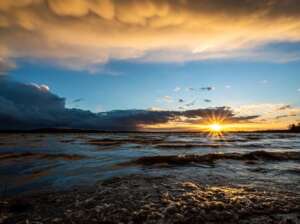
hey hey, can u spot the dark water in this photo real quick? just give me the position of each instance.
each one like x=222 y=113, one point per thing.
x=31 y=162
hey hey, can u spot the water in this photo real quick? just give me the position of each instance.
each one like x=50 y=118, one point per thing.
x=32 y=162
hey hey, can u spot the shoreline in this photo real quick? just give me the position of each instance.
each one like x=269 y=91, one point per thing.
x=149 y=199
x=92 y=131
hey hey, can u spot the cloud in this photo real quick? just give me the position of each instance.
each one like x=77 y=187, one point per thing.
x=42 y=87
x=166 y=99
x=271 y=113
x=30 y=106
x=6 y=65
x=285 y=116
x=77 y=100
x=23 y=105
x=285 y=107
x=191 y=103
x=84 y=34
x=208 y=88
x=177 y=89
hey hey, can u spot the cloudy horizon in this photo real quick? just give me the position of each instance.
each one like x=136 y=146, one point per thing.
x=149 y=65
x=32 y=106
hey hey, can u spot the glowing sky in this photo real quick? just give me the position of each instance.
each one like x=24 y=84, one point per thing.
x=172 y=55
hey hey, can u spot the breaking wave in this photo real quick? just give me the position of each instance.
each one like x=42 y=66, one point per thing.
x=212 y=157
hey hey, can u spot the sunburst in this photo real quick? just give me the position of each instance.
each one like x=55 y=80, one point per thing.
x=215 y=127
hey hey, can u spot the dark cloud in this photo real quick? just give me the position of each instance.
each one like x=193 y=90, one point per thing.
x=30 y=106
x=24 y=105
x=78 y=100
x=224 y=114
x=285 y=107
x=191 y=104
x=208 y=88
x=285 y=116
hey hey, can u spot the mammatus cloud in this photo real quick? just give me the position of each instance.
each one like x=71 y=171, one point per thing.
x=30 y=106
x=83 y=34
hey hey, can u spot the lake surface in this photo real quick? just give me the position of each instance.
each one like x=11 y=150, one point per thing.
x=34 y=162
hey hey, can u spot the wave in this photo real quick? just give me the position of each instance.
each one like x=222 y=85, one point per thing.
x=158 y=143
x=31 y=155
x=175 y=145
x=117 y=142
x=295 y=171
x=212 y=157
x=105 y=142
x=183 y=144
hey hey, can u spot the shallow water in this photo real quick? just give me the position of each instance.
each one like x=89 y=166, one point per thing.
x=32 y=162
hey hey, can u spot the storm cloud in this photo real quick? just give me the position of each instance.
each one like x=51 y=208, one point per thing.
x=83 y=34
x=32 y=106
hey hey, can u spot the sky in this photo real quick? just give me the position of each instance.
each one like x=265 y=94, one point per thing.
x=149 y=65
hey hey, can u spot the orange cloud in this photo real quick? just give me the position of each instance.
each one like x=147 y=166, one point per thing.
x=81 y=34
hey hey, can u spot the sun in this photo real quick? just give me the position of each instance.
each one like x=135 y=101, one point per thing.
x=215 y=127
x=216 y=130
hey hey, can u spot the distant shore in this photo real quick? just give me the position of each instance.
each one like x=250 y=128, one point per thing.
x=62 y=131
